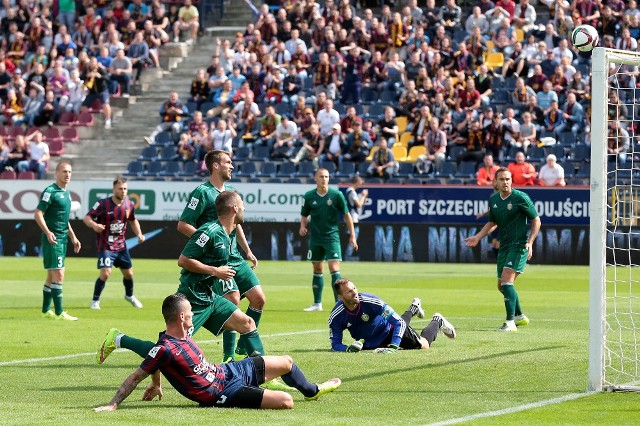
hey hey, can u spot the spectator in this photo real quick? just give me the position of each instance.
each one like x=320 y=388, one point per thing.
x=573 y=115
x=524 y=16
x=222 y=137
x=383 y=164
x=327 y=117
x=436 y=145
x=420 y=127
x=512 y=127
x=67 y=12
x=483 y=82
x=18 y=154
x=528 y=135
x=188 y=19
x=76 y=93
x=286 y=137
x=312 y=148
x=32 y=104
x=546 y=96
x=245 y=113
x=477 y=19
x=474 y=144
x=38 y=155
x=95 y=80
x=334 y=146
x=186 y=147
x=554 y=120
x=49 y=110
x=487 y=172
x=325 y=77
x=522 y=173
x=172 y=114
x=495 y=133
x=268 y=126
x=139 y=54
x=551 y=173
x=388 y=127
x=450 y=16
x=521 y=95
x=355 y=59
x=121 y=70
x=222 y=101
x=357 y=144
x=618 y=143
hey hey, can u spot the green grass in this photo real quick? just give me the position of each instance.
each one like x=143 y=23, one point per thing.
x=480 y=371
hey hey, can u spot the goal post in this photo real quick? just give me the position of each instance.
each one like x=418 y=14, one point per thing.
x=614 y=250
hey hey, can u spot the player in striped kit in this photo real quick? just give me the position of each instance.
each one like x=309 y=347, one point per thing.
x=375 y=325
x=109 y=218
x=234 y=384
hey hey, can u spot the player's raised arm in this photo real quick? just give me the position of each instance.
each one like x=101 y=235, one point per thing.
x=129 y=384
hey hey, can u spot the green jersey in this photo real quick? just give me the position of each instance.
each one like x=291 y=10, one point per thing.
x=55 y=203
x=201 y=209
x=512 y=215
x=325 y=214
x=210 y=245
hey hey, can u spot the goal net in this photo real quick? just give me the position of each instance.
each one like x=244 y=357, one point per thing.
x=614 y=313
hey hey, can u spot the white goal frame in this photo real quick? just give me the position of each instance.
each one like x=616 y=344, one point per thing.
x=601 y=60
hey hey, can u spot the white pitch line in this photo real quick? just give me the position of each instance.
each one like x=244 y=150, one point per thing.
x=512 y=410
x=56 y=358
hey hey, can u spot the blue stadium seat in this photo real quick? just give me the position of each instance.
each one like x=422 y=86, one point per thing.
x=455 y=181
x=566 y=139
x=163 y=139
x=455 y=151
x=448 y=169
x=394 y=181
x=135 y=168
x=340 y=108
x=433 y=181
x=330 y=166
x=283 y=108
x=580 y=153
x=375 y=112
x=189 y=168
x=267 y=169
x=369 y=96
x=375 y=180
x=415 y=181
x=168 y=153
x=305 y=169
x=154 y=169
x=274 y=180
x=388 y=97
x=535 y=153
x=206 y=106
x=405 y=170
x=466 y=169
x=362 y=168
x=247 y=169
x=242 y=153
x=149 y=153
x=286 y=170
x=172 y=168
x=260 y=153
x=294 y=180
x=584 y=171
x=559 y=152
x=347 y=169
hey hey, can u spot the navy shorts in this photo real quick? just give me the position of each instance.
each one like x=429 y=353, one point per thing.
x=91 y=98
x=119 y=259
x=242 y=382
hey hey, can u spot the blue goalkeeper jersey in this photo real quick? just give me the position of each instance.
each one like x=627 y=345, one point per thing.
x=373 y=320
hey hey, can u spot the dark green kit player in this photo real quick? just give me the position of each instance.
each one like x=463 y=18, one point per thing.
x=204 y=275
x=201 y=209
x=52 y=216
x=511 y=210
x=320 y=214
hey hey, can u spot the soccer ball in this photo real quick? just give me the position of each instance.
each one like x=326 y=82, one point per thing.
x=584 y=38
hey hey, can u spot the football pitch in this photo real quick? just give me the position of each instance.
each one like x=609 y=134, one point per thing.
x=48 y=372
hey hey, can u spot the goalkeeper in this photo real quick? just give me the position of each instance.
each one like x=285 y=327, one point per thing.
x=375 y=325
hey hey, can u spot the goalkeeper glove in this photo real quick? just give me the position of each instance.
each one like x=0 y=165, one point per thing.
x=356 y=346
x=388 y=350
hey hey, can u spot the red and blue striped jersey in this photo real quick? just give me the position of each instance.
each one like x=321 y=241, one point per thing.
x=183 y=364
x=114 y=217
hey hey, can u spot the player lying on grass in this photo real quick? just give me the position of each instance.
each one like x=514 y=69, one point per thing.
x=235 y=384
x=375 y=325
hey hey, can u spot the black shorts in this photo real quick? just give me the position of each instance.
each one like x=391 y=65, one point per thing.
x=244 y=391
x=410 y=340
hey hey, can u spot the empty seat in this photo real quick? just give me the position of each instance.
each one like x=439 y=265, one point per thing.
x=347 y=169
x=85 y=119
x=68 y=119
x=154 y=169
x=28 y=175
x=149 y=153
x=168 y=153
x=189 y=168
x=52 y=134
x=56 y=148
x=286 y=170
x=8 y=174
x=247 y=169
x=466 y=169
x=70 y=135
x=172 y=168
x=268 y=169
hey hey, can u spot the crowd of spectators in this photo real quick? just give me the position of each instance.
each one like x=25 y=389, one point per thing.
x=336 y=82
x=72 y=56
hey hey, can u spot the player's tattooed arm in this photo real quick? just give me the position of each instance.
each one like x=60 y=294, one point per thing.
x=129 y=384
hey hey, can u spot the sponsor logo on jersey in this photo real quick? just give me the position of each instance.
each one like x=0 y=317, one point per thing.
x=202 y=240
x=335 y=254
x=349 y=324
x=193 y=203
x=46 y=197
x=154 y=351
x=116 y=228
x=329 y=202
x=495 y=206
x=509 y=206
x=509 y=263
x=61 y=196
x=314 y=203
x=210 y=377
x=365 y=317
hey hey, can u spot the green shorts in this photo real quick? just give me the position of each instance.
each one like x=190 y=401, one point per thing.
x=513 y=258
x=212 y=316
x=222 y=287
x=326 y=251
x=53 y=255
x=245 y=278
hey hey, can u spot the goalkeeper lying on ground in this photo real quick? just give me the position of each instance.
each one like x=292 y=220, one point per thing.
x=375 y=325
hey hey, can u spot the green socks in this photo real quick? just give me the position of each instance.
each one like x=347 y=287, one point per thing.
x=141 y=347
x=46 y=299
x=255 y=315
x=510 y=299
x=317 y=284
x=56 y=295
x=335 y=276
x=228 y=344
x=252 y=343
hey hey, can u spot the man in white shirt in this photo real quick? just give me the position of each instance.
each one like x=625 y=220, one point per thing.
x=286 y=135
x=562 y=50
x=512 y=125
x=292 y=44
x=38 y=154
x=552 y=173
x=333 y=143
x=327 y=117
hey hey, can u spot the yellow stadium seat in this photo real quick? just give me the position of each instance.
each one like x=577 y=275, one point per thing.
x=490 y=46
x=373 y=151
x=405 y=138
x=519 y=34
x=402 y=123
x=399 y=152
x=494 y=60
x=415 y=152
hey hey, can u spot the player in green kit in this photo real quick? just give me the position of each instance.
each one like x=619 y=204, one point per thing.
x=320 y=214
x=201 y=209
x=52 y=217
x=205 y=274
x=511 y=210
